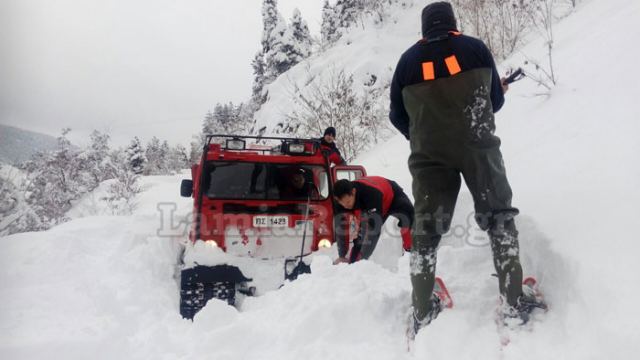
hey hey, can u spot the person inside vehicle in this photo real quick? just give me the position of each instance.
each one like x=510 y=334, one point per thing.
x=329 y=148
x=295 y=184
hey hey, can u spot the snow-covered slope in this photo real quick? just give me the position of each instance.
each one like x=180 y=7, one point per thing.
x=105 y=287
x=570 y=161
x=364 y=51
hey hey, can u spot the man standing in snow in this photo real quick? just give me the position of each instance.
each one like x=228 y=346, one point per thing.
x=444 y=93
x=375 y=198
x=329 y=148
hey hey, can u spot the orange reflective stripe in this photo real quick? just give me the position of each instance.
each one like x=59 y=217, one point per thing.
x=428 y=73
x=452 y=65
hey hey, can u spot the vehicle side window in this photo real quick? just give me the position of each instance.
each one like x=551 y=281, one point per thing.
x=348 y=174
x=322 y=183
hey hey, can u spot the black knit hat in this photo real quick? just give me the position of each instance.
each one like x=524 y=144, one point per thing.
x=342 y=187
x=330 y=130
x=437 y=17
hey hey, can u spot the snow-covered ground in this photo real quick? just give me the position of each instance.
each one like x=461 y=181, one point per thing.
x=105 y=286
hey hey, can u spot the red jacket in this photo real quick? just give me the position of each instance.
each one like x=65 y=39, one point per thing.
x=374 y=196
x=330 y=150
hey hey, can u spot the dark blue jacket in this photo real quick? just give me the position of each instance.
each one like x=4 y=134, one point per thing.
x=471 y=53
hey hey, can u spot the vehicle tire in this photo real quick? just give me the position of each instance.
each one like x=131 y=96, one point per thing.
x=194 y=296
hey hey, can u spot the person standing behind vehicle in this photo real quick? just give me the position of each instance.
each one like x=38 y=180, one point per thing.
x=329 y=148
x=444 y=93
x=376 y=198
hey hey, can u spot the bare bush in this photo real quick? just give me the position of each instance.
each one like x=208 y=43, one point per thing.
x=501 y=24
x=543 y=18
x=15 y=215
x=542 y=71
x=122 y=192
x=359 y=119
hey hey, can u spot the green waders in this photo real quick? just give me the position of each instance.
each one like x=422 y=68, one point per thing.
x=451 y=131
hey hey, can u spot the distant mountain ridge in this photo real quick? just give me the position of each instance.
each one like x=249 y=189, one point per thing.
x=18 y=145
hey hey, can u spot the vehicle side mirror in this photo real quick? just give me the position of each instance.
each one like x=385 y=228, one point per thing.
x=186 y=188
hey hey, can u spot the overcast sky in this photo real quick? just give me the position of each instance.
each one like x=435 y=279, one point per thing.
x=130 y=67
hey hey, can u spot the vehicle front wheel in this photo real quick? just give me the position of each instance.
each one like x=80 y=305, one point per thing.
x=200 y=284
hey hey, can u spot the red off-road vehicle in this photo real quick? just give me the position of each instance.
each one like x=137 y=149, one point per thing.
x=260 y=212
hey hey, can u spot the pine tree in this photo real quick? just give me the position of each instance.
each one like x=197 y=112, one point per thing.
x=178 y=158
x=156 y=156
x=195 y=149
x=329 y=27
x=299 y=37
x=209 y=124
x=223 y=115
x=259 y=68
x=225 y=119
x=346 y=11
x=271 y=19
x=96 y=158
x=136 y=157
x=274 y=31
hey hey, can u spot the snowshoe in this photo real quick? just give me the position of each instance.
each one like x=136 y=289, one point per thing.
x=441 y=291
x=530 y=300
x=518 y=317
x=439 y=301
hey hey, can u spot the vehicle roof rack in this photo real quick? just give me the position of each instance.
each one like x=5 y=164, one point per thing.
x=274 y=149
x=211 y=136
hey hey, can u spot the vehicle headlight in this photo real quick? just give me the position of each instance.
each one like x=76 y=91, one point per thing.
x=211 y=243
x=324 y=243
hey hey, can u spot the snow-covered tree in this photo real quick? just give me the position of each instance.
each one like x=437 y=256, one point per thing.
x=165 y=152
x=125 y=186
x=329 y=27
x=344 y=14
x=53 y=181
x=225 y=119
x=15 y=214
x=96 y=158
x=282 y=47
x=299 y=43
x=157 y=156
x=178 y=158
x=347 y=11
x=195 y=149
x=262 y=73
x=259 y=68
x=274 y=39
x=271 y=19
x=136 y=157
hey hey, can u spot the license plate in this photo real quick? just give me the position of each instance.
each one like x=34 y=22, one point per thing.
x=270 y=221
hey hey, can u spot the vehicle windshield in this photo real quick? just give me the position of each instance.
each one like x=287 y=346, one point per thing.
x=264 y=181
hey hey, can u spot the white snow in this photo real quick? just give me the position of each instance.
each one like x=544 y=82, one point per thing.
x=105 y=286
